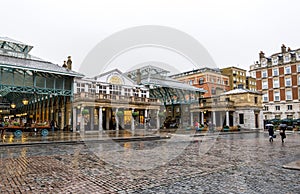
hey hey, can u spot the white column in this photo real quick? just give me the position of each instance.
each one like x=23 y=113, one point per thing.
x=221 y=118
x=146 y=117
x=81 y=120
x=192 y=119
x=117 y=119
x=202 y=118
x=214 y=117
x=92 y=118
x=62 y=112
x=132 y=120
x=227 y=118
x=157 y=119
x=100 y=128
x=74 y=119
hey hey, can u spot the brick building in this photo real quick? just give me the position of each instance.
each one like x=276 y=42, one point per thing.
x=206 y=78
x=237 y=77
x=278 y=78
x=250 y=83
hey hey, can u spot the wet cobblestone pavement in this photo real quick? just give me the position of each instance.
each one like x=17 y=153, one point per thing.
x=234 y=163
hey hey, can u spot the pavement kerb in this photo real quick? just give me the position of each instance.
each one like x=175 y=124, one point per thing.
x=293 y=165
x=121 y=139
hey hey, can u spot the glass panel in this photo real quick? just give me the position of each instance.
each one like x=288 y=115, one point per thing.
x=68 y=83
x=50 y=82
x=28 y=79
x=7 y=77
x=59 y=83
x=40 y=81
x=19 y=78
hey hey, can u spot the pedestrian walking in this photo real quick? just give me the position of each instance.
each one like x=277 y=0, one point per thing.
x=52 y=125
x=282 y=128
x=271 y=131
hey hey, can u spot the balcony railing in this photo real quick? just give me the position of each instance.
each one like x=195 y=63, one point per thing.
x=217 y=104
x=84 y=96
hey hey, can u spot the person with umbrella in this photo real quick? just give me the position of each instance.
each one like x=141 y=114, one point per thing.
x=282 y=128
x=270 y=128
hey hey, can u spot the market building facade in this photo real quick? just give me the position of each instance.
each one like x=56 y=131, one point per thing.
x=117 y=100
x=32 y=90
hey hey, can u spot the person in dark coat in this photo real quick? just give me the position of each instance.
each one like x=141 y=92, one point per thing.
x=282 y=128
x=271 y=133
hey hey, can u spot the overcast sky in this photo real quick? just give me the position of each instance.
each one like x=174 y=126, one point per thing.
x=233 y=31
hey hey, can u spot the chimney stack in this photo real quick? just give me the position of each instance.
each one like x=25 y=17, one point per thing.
x=64 y=65
x=261 y=55
x=283 y=48
x=69 y=63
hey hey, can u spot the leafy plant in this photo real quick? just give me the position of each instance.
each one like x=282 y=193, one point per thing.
x=16 y=124
x=120 y=113
x=85 y=111
x=135 y=114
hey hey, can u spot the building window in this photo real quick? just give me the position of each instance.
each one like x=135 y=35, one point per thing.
x=255 y=100
x=226 y=82
x=275 y=72
x=289 y=116
x=290 y=107
x=241 y=118
x=275 y=61
x=299 y=80
x=276 y=96
x=298 y=68
x=264 y=74
x=288 y=95
x=298 y=56
x=102 y=89
x=191 y=82
x=288 y=81
x=213 y=91
x=266 y=108
x=127 y=91
x=264 y=85
x=143 y=93
x=286 y=58
x=275 y=83
x=277 y=117
x=201 y=81
x=277 y=107
x=264 y=62
x=287 y=70
x=265 y=97
x=115 y=89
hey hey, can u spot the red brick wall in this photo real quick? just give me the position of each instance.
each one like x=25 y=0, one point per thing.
x=294 y=80
x=270 y=73
x=282 y=94
x=258 y=74
x=258 y=85
x=270 y=83
x=281 y=71
x=271 y=98
x=293 y=68
x=281 y=80
x=295 y=93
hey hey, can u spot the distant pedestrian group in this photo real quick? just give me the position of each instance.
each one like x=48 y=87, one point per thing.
x=282 y=128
